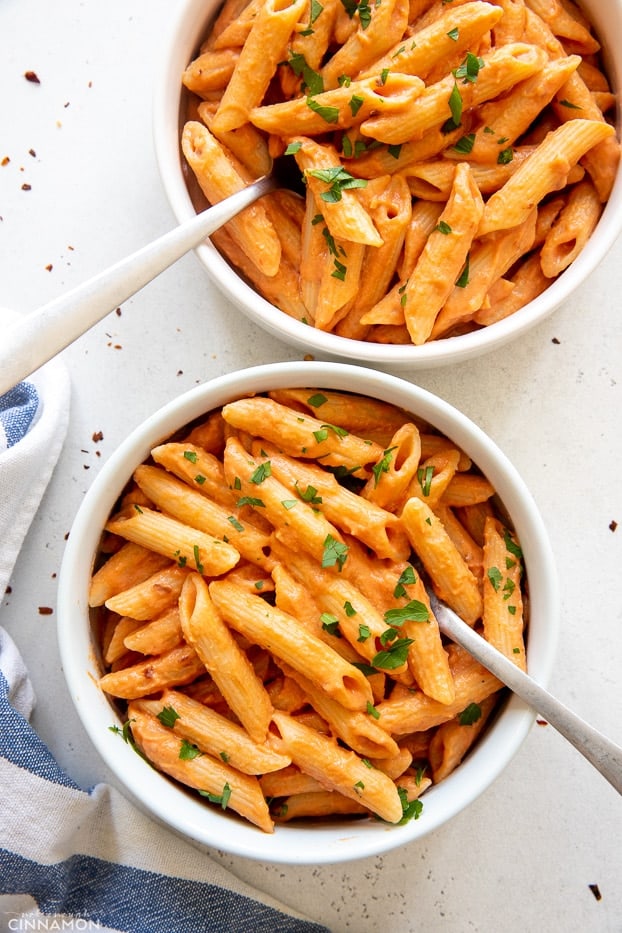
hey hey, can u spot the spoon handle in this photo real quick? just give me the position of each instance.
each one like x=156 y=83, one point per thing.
x=600 y=751
x=37 y=337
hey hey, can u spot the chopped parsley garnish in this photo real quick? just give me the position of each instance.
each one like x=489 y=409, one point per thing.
x=372 y=711
x=327 y=113
x=505 y=156
x=495 y=577
x=364 y=633
x=453 y=34
x=190 y=455
x=414 y=611
x=330 y=623
x=311 y=79
x=569 y=104
x=250 y=500
x=391 y=658
x=470 y=715
x=334 y=552
x=188 y=750
x=293 y=148
x=463 y=279
x=465 y=143
x=168 y=716
x=424 y=477
x=309 y=495
x=200 y=479
x=394 y=151
x=349 y=609
x=443 y=227
x=470 y=67
x=338 y=180
x=383 y=464
x=411 y=809
x=289 y=503
x=197 y=558
x=407 y=576
x=355 y=103
x=315 y=401
x=262 y=471
x=236 y=524
x=222 y=799
x=455 y=107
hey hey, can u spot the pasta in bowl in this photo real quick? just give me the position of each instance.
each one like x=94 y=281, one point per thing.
x=242 y=601
x=460 y=165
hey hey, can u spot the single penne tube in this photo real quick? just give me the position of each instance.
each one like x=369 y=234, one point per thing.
x=210 y=71
x=339 y=276
x=219 y=176
x=413 y=784
x=130 y=565
x=115 y=648
x=282 y=288
x=408 y=711
x=545 y=171
x=501 y=122
x=158 y=636
x=396 y=766
x=300 y=435
x=240 y=792
x=358 y=730
x=312 y=42
x=151 y=597
x=459 y=534
x=489 y=260
x=210 y=637
x=318 y=804
x=212 y=733
x=201 y=470
x=339 y=108
x=177 y=499
x=389 y=483
x=503 y=602
x=264 y=48
x=432 y=180
x=454 y=31
x=208 y=434
x=565 y=26
x=289 y=780
x=176 y=540
x=247 y=144
x=352 y=513
x=424 y=219
x=291 y=642
x=571 y=229
x=389 y=203
x=337 y=768
x=527 y=283
x=452 y=740
x=427 y=658
x=443 y=258
x=467 y=489
x=180 y=665
x=502 y=68
x=452 y=580
x=234 y=29
x=371 y=40
x=323 y=170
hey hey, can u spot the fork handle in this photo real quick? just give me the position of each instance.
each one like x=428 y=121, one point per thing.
x=37 y=337
x=600 y=751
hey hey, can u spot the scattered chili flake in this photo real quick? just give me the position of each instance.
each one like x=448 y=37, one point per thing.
x=26 y=187
x=5 y=160
x=542 y=722
x=97 y=436
x=555 y=340
x=8 y=591
x=613 y=525
x=118 y=312
x=45 y=610
x=32 y=76
x=32 y=153
x=49 y=267
x=595 y=891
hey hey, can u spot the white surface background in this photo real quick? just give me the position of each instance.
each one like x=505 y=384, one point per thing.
x=523 y=856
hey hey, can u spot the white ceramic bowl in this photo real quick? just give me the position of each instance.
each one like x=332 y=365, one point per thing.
x=192 y=21
x=342 y=840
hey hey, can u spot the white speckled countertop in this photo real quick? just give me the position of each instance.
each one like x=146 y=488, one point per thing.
x=525 y=855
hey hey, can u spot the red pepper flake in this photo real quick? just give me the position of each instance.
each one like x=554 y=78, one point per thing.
x=32 y=153
x=556 y=340
x=32 y=76
x=26 y=187
x=542 y=722
x=118 y=312
x=595 y=891
x=45 y=610
x=5 y=161
x=97 y=436
x=8 y=591
x=613 y=525
x=49 y=267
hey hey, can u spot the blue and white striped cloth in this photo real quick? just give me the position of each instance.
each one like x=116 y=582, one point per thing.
x=72 y=859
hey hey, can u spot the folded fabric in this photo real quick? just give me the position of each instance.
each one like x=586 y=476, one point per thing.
x=70 y=858
x=33 y=424
x=66 y=854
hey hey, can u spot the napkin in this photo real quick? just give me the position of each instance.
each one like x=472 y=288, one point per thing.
x=75 y=859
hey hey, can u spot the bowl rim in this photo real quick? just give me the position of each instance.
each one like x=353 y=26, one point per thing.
x=188 y=26
x=173 y=806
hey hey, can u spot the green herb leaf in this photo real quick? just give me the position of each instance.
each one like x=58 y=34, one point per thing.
x=317 y=400
x=262 y=471
x=330 y=623
x=463 y=279
x=383 y=464
x=470 y=715
x=393 y=657
x=338 y=180
x=190 y=455
x=414 y=611
x=495 y=577
x=188 y=751
x=329 y=114
x=236 y=524
x=411 y=809
x=168 y=716
x=335 y=553
x=407 y=577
